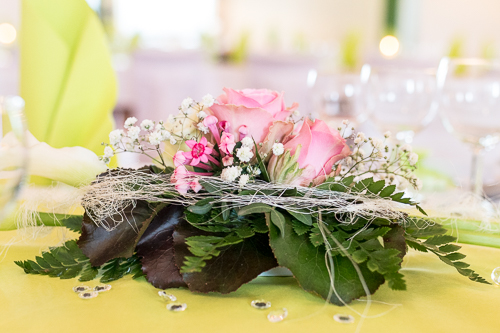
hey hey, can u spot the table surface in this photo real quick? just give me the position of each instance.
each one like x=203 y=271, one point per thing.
x=438 y=299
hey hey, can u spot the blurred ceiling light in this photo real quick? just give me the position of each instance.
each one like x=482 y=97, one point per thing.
x=389 y=46
x=7 y=33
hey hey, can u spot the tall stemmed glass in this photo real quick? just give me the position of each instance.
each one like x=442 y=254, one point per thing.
x=399 y=100
x=13 y=153
x=469 y=104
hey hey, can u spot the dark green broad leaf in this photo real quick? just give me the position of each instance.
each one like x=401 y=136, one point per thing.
x=307 y=264
x=101 y=245
x=254 y=208
x=304 y=217
x=156 y=249
x=234 y=266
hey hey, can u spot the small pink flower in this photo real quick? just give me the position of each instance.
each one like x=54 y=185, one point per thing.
x=179 y=159
x=243 y=130
x=195 y=185
x=227 y=143
x=227 y=160
x=179 y=174
x=211 y=123
x=224 y=125
x=182 y=186
x=199 y=151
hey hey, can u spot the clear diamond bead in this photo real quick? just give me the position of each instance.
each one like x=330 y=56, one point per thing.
x=343 y=318
x=277 y=316
x=166 y=296
x=79 y=289
x=88 y=294
x=260 y=304
x=495 y=276
x=176 y=306
x=102 y=287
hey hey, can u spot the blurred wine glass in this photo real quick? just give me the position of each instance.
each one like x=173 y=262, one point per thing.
x=469 y=104
x=13 y=153
x=336 y=97
x=399 y=100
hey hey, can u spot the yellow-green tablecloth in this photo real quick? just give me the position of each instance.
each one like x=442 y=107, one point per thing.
x=438 y=299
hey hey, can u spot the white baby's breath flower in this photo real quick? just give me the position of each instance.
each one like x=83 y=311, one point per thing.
x=243 y=180
x=147 y=124
x=387 y=134
x=201 y=115
x=108 y=152
x=413 y=158
x=377 y=143
x=278 y=149
x=208 y=100
x=165 y=135
x=173 y=141
x=159 y=126
x=230 y=174
x=244 y=154
x=247 y=142
x=348 y=160
x=345 y=122
x=186 y=103
x=406 y=148
x=296 y=113
x=357 y=140
x=130 y=122
x=202 y=128
x=133 y=133
x=115 y=136
x=361 y=136
x=155 y=138
x=171 y=119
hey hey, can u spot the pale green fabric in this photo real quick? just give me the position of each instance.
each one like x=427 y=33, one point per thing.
x=438 y=300
x=67 y=79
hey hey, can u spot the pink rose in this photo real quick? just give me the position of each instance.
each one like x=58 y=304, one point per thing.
x=250 y=112
x=320 y=148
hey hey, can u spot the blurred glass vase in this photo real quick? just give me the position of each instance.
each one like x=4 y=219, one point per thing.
x=469 y=104
x=399 y=100
x=13 y=154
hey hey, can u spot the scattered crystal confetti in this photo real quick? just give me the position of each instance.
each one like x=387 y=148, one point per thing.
x=79 y=289
x=277 y=316
x=495 y=276
x=342 y=318
x=169 y=297
x=176 y=306
x=260 y=304
x=102 y=287
x=88 y=294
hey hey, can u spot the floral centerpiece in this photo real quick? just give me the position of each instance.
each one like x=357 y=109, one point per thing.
x=244 y=184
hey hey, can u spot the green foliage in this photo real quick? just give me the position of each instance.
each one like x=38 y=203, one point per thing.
x=262 y=166
x=68 y=261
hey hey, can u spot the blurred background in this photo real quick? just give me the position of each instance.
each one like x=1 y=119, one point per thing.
x=314 y=50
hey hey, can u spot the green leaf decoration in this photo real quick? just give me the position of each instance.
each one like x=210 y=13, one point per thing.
x=387 y=191
x=449 y=248
x=299 y=227
x=200 y=210
x=421 y=210
x=262 y=166
x=254 y=208
x=362 y=185
x=89 y=273
x=440 y=240
x=233 y=266
x=316 y=237
x=302 y=217
x=376 y=187
x=278 y=220
x=156 y=249
x=307 y=264
x=101 y=245
x=209 y=187
x=117 y=268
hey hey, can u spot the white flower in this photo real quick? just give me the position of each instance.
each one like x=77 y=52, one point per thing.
x=230 y=174
x=201 y=115
x=207 y=100
x=173 y=141
x=418 y=184
x=377 y=143
x=357 y=140
x=387 y=134
x=244 y=154
x=115 y=136
x=296 y=113
x=413 y=158
x=159 y=126
x=361 y=135
x=130 y=122
x=165 y=135
x=244 y=180
x=348 y=160
x=171 y=119
x=406 y=148
x=133 y=133
x=108 y=152
x=147 y=124
x=186 y=103
x=155 y=138
x=202 y=128
x=345 y=122
x=278 y=149
x=247 y=142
